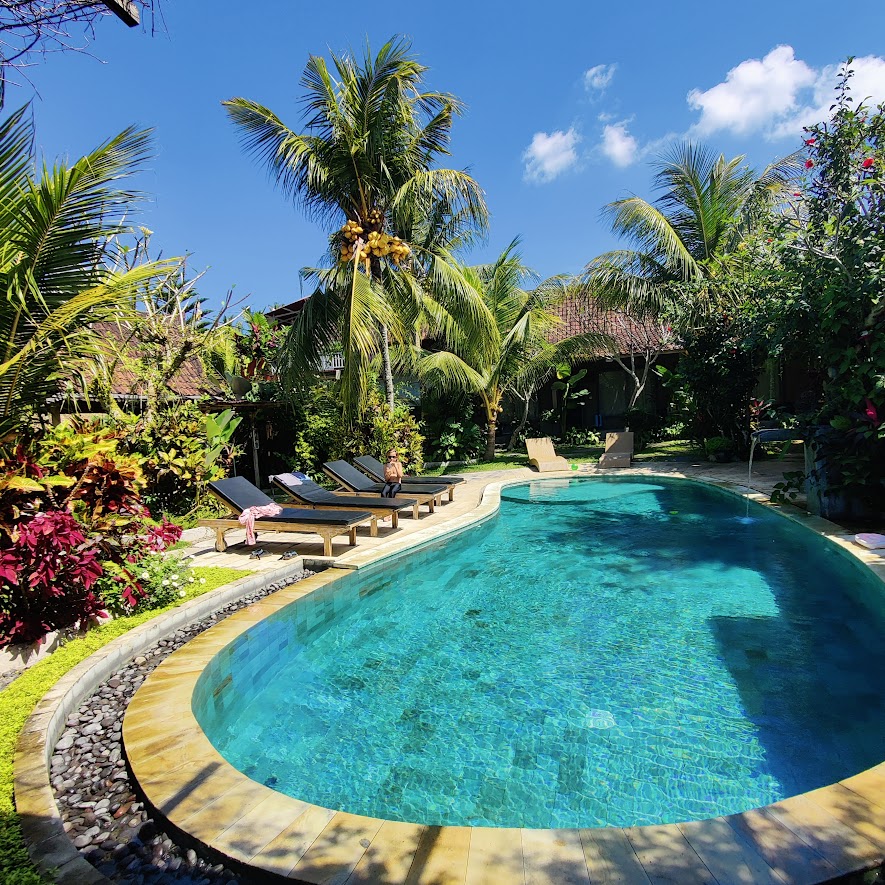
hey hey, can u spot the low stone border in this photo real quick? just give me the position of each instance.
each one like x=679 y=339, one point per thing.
x=48 y=843
x=815 y=837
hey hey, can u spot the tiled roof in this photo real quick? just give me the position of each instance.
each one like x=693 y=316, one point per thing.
x=189 y=381
x=630 y=333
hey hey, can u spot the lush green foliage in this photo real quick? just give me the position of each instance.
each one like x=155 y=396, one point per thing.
x=19 y=699
x=162 y=577
x=699 y=234
x=454 y=439
x=181 y=449
x=835 y=248
x=65 y=512
x=59 y=263
x=514 y=352
x=323 y=434
x=717 y=374
x=570 y=393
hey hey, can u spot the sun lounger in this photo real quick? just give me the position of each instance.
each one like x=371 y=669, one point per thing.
x=239 y=494
x=374 y=469
x=543 y=456
x=348 y=477
x=618 y=450
x=308 y=494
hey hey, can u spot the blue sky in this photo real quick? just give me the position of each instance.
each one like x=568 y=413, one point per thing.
x=567 y=103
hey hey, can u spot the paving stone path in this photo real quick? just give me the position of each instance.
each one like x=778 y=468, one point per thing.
x=100 y=808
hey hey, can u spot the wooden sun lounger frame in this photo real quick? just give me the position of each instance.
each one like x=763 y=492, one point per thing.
x=376 y=511
x=324 y=530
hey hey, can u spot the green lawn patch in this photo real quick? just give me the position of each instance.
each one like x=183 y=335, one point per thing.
x=672 y=450
x=19 y=698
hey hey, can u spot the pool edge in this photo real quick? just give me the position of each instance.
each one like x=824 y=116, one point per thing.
x=816 y=836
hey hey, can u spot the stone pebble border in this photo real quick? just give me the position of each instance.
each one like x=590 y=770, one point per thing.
x=49 y=843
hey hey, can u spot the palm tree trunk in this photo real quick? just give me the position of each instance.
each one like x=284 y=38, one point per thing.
x=521 y=426
x=490 y=438
x=388 y=371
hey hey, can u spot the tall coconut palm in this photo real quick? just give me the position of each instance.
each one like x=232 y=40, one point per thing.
x=58 y=267
x=516 y=353
x=696 y=230
x=366 y=159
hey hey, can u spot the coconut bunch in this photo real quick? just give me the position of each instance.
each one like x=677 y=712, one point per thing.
x=376 y=242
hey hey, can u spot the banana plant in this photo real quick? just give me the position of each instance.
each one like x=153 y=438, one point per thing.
x=569 y=398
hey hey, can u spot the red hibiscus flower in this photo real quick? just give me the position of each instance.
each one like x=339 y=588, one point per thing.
x=809 y=164
x=868 y=163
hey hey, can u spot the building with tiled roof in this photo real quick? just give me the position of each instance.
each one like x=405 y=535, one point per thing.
x=608 y=382
x=189 y=382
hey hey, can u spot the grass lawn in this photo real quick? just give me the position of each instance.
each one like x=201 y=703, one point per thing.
x=670 y=450
x=19 y=698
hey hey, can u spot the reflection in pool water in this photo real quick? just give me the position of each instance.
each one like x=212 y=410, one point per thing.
x=603 y=653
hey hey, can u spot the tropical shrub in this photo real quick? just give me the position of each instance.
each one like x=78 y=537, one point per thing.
x=324 y=436
x=163 y=579
x=582 y=436
x=383 y=430
x=47 y=575
x=66 y=515
x=454 y=439
x=646 y=427
x=719 y=448
x=181 y=449
x=835 y=249
x=717 y=375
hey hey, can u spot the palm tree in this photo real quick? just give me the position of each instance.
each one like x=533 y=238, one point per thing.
x=506 y=350
x=366 y=158
x=58 y=262
x=693 y=234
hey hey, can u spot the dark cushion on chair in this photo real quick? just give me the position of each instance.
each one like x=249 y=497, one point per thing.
x=239 y=494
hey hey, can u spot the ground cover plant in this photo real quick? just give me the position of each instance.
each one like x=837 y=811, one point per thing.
x=19 y=699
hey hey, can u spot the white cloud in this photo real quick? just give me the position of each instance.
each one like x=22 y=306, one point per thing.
x=618 y=145
x=867 y=84
x=550 y=155
x=754 y=94
x=598 y=77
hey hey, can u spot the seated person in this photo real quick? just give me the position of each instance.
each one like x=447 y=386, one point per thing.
x=393 y=475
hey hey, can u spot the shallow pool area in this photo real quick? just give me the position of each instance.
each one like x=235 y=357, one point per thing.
x=604 y=652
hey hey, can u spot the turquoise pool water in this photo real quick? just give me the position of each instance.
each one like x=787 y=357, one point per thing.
x=602 y=653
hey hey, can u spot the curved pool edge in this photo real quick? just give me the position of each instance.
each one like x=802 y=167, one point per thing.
x=814 y=837
x=43 y=833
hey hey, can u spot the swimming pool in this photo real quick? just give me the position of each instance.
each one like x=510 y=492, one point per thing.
x=606 y=652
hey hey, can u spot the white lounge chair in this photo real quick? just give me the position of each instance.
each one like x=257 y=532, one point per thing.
x=543 y=456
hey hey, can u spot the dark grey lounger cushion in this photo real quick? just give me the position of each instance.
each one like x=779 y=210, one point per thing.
x=359 y=481
x=239 y=494
x=312 y=493
x=375 y=469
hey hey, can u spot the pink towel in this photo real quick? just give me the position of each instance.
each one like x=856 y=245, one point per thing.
x=870 y=540
x=250 y=514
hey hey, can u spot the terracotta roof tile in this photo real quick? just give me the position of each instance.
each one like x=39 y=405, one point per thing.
x=580 y=317
x=189 y=381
